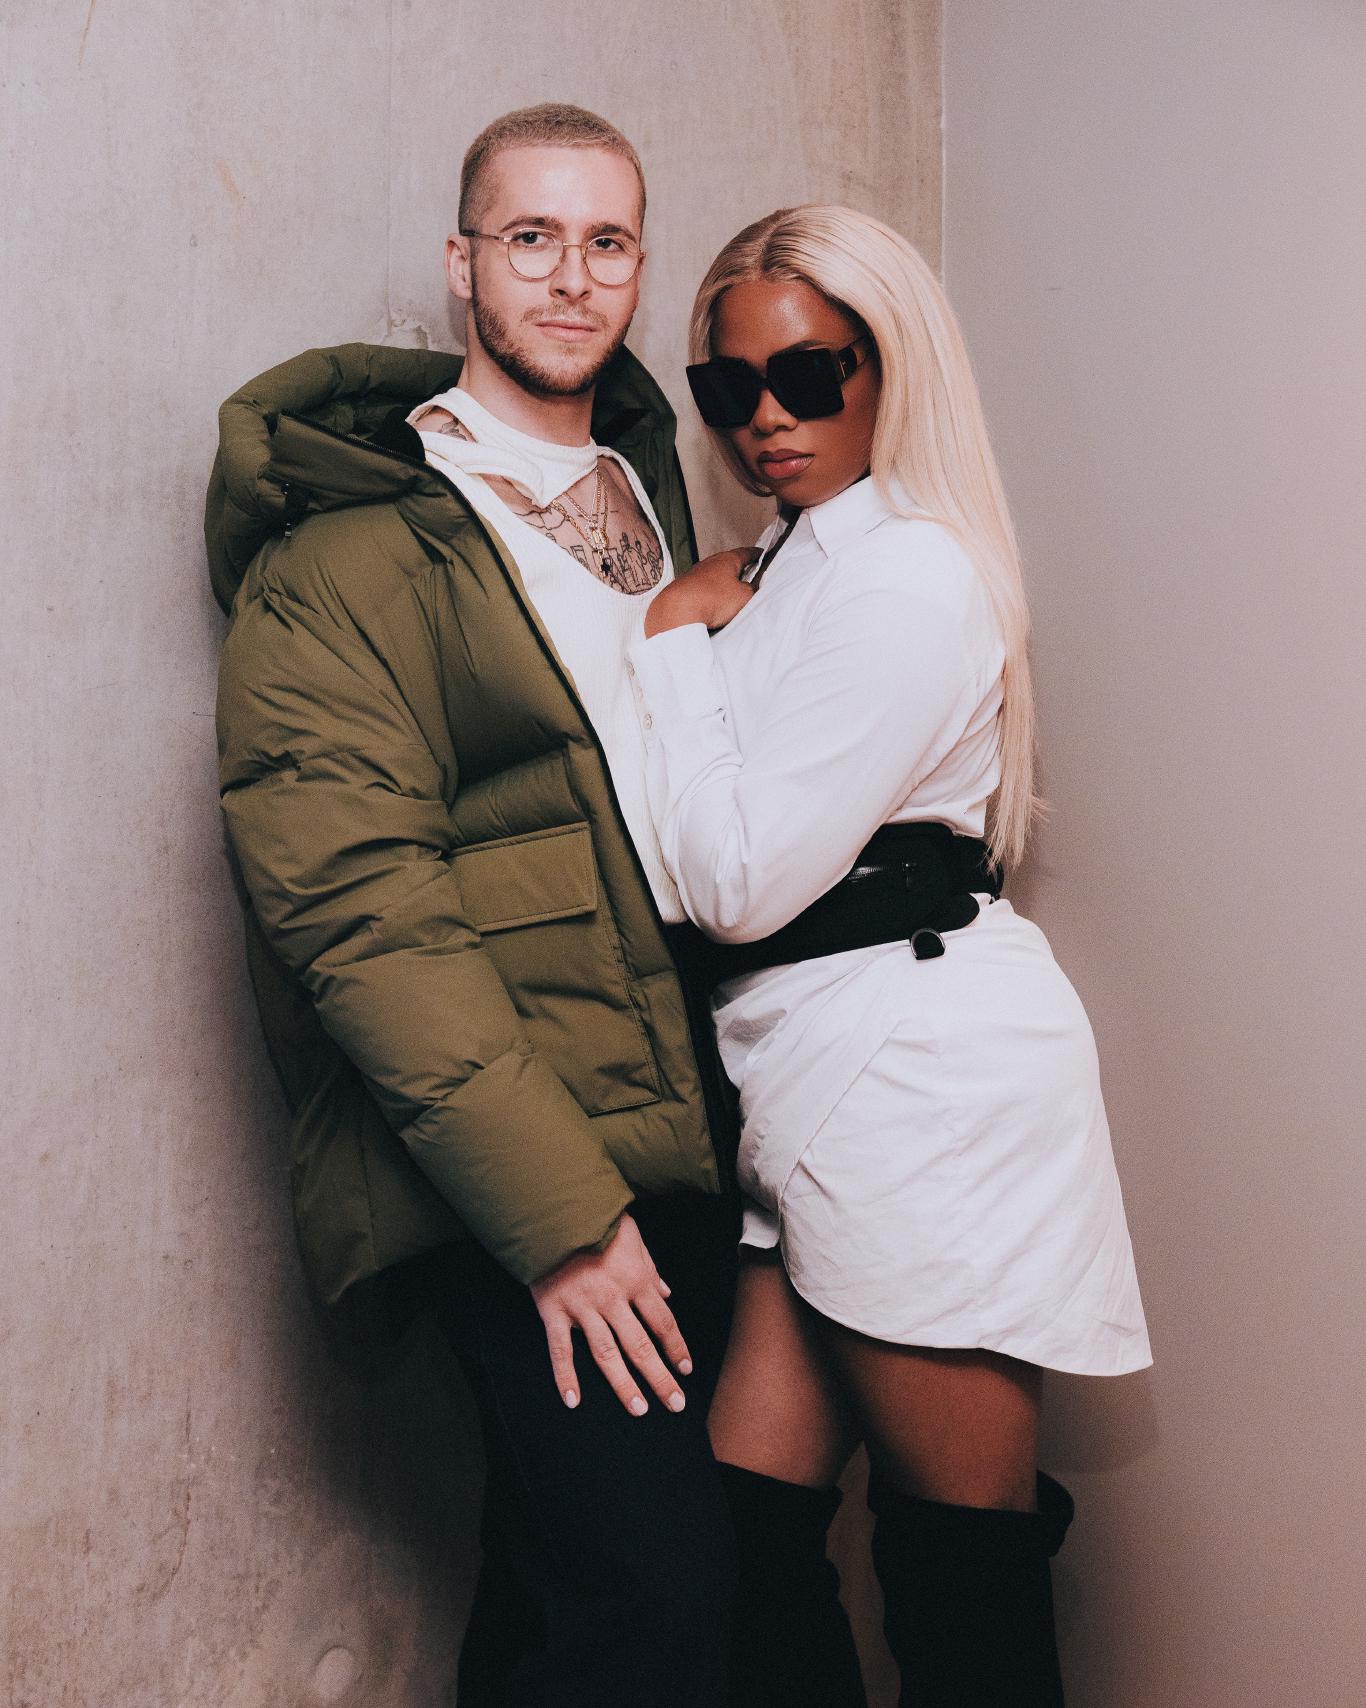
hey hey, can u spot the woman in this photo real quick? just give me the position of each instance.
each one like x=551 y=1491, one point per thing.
x=840 y=753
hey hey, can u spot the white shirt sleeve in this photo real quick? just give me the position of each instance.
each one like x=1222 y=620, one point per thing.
x=888 y=676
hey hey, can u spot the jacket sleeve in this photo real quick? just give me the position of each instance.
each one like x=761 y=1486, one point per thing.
x=335 y=809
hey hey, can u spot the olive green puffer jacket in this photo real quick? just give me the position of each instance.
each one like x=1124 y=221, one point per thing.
x=460 y=969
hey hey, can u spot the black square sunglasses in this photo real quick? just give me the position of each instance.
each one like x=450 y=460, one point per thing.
x=807 y=383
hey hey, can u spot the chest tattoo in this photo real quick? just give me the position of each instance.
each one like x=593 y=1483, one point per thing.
x=601 y=525
x=598 y=522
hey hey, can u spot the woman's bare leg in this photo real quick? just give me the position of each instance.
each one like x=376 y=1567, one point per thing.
x=955 y=1426
x=960 y=1545
x=782 y=1436
x=777 y=1408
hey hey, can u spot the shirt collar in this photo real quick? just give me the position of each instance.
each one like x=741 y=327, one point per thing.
x=544 y=471
x=848 y=515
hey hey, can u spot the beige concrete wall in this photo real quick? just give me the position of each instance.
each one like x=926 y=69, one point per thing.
x=196 y=1509
x=1154 y=233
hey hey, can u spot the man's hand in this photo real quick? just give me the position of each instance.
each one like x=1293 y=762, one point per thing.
x=711 y=592
x=613 y=1297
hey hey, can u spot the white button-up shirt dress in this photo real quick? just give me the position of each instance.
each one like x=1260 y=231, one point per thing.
x=925 y=1139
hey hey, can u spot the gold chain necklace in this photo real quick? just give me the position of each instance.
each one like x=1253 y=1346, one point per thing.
x=594 y=528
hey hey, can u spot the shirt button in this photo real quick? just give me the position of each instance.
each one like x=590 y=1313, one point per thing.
x=648 y=721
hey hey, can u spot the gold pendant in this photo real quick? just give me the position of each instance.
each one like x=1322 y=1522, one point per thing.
x=597 y=537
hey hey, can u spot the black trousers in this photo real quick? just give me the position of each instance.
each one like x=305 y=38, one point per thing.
x=608 y=1571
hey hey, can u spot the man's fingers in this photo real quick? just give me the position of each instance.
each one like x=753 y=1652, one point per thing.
x=661 y=1285
x=602 y=1343
x=659 y=1319
x=596 y=1295
x=560 y=1340
x=643 y=1354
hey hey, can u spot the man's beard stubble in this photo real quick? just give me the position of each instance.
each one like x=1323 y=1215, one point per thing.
x=540 y=381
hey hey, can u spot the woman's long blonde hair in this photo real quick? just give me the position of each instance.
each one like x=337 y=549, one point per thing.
x=931 y=453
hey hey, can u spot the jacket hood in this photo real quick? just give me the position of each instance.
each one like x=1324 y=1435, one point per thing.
x=323 y=431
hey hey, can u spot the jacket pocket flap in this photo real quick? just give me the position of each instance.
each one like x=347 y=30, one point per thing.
x=526 y=880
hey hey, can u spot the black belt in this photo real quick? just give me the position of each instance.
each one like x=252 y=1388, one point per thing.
x=909 y=884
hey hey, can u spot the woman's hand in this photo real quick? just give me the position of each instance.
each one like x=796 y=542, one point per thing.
x=711 y=592
x=613 y=1297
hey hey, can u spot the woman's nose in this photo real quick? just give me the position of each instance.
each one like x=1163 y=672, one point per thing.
x=769 y=415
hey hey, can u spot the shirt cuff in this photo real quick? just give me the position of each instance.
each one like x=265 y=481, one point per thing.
x=675 y=675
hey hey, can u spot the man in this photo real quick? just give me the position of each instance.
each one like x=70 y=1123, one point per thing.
x=459 y=922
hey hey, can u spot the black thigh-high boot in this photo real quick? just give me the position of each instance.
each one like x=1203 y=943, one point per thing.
x=969 y=1598
x=793 y=1646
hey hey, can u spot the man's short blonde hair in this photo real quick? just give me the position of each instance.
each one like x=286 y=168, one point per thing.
x=553 y=124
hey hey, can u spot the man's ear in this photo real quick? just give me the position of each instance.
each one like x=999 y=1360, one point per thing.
x=458 y=264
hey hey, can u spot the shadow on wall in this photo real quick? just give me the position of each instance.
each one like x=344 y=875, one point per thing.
x=394 y=1463
x=411 y=1467
x=362 y=1550
x=1095 y=1425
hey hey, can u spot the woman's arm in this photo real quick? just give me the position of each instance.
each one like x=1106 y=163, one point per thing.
x=711 y=593
x=893 y=664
